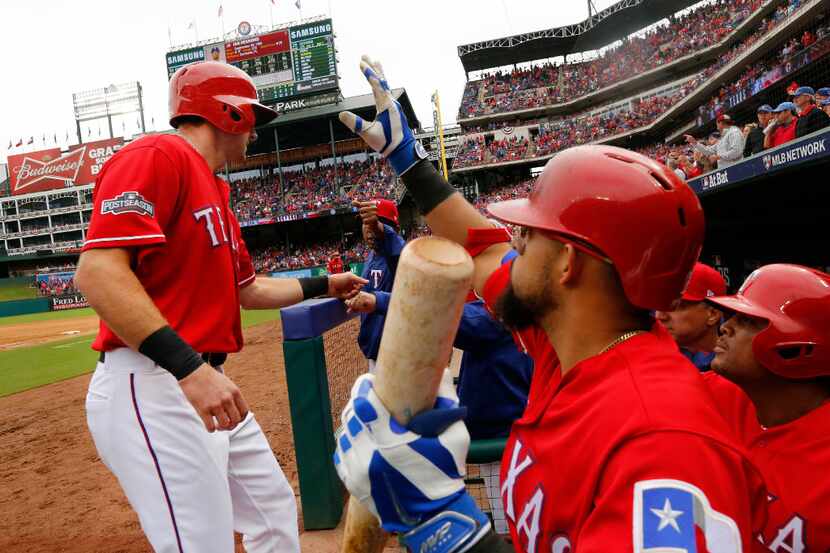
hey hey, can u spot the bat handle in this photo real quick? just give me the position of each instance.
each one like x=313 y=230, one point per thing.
x=363 y=533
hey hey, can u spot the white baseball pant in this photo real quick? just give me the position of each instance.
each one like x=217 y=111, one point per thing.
x=190 y=488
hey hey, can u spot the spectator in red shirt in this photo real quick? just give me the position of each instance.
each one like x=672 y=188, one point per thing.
x=691 y=169
x=782 y=129
x=810 y=117
x=335 y=264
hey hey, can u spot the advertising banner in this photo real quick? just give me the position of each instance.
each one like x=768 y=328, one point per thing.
x=180 y=58
x=299 y=273
x=783 y=157
x=74 y=301
x=51 y=169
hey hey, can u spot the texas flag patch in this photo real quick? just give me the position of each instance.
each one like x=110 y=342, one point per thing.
x=671 y=516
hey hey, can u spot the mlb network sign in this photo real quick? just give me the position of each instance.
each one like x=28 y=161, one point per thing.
x=789 y=155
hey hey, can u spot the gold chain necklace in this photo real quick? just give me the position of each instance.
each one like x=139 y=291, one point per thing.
x=620 y=340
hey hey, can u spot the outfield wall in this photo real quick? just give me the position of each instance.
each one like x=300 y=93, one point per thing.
x=24 y=307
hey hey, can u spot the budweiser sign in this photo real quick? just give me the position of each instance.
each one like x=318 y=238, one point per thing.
x=49 y=169
x=64 y=168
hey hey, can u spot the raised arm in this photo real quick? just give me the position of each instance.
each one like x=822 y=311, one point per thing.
x=446 y=211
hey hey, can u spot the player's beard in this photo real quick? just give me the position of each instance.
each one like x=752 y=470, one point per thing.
x=517 y=313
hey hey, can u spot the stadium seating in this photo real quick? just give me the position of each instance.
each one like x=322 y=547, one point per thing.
x=278 y=258
x=546 y=136
x=307 y=190
x=555 y=84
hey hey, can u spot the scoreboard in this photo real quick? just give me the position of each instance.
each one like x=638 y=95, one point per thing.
x=287 y=63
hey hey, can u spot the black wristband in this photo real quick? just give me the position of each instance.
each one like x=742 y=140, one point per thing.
x=427 y=186
x=491 y=543
x=314 y=286
x=170 y=352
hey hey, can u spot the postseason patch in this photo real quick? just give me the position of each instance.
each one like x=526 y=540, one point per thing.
x=127 y=202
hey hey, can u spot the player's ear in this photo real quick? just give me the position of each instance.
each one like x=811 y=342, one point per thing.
x=571 y=264
x=713 y=316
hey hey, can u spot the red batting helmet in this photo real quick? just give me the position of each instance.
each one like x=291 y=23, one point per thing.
x=636 y=211
x=220 y=93
x=796 y=302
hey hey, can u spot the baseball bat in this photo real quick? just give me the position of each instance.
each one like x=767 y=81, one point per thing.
x=431 y=283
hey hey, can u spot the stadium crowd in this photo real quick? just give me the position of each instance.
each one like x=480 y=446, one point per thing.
x=550 y=84
x=310 y=189
x=796 y=52
x=564 y=132
x=809 y=111
x=557 y=133
x=280 y=258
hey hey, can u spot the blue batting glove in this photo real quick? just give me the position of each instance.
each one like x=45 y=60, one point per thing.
x=389 y=134
x=411 y=478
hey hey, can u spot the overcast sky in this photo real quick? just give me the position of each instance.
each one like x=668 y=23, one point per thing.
x=54 y=48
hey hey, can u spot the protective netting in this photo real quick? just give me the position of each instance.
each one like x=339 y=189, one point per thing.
x=344 y=363
x=483 y=485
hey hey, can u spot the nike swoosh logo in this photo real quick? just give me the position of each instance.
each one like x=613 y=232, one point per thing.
x=402 y=515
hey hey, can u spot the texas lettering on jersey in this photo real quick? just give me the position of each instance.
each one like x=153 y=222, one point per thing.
x=790 y=538
x=525 y=518
x=668 y=515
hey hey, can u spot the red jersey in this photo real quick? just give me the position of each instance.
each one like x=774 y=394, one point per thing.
x=782 y=134
x=625 y=452
x=158 y=197
x=793 y=458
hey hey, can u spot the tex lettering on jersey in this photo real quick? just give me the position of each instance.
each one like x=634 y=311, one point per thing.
x=526 y=518
x=671 y=515
x=214 y=224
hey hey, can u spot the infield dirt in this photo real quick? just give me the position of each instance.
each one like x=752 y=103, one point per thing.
x=40 y=332
x=57 y=495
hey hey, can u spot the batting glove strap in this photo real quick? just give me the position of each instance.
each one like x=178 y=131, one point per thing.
x=407 y=154
x=455 y=530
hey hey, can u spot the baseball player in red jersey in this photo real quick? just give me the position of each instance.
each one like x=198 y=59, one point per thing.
x=773 y=366
x=165 y=268
x=621 y=447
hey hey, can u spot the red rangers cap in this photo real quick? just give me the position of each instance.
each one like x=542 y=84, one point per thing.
x=705 y=282
x=388 y=210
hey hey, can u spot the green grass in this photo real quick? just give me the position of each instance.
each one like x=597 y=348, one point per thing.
x=47 y=316
x=8 y=293
x=250 y=318
x=26 y=368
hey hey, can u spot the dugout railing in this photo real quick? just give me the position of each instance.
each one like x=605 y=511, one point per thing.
x=322 y=361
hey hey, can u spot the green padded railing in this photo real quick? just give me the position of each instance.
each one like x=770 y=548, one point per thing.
x=321 y=493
